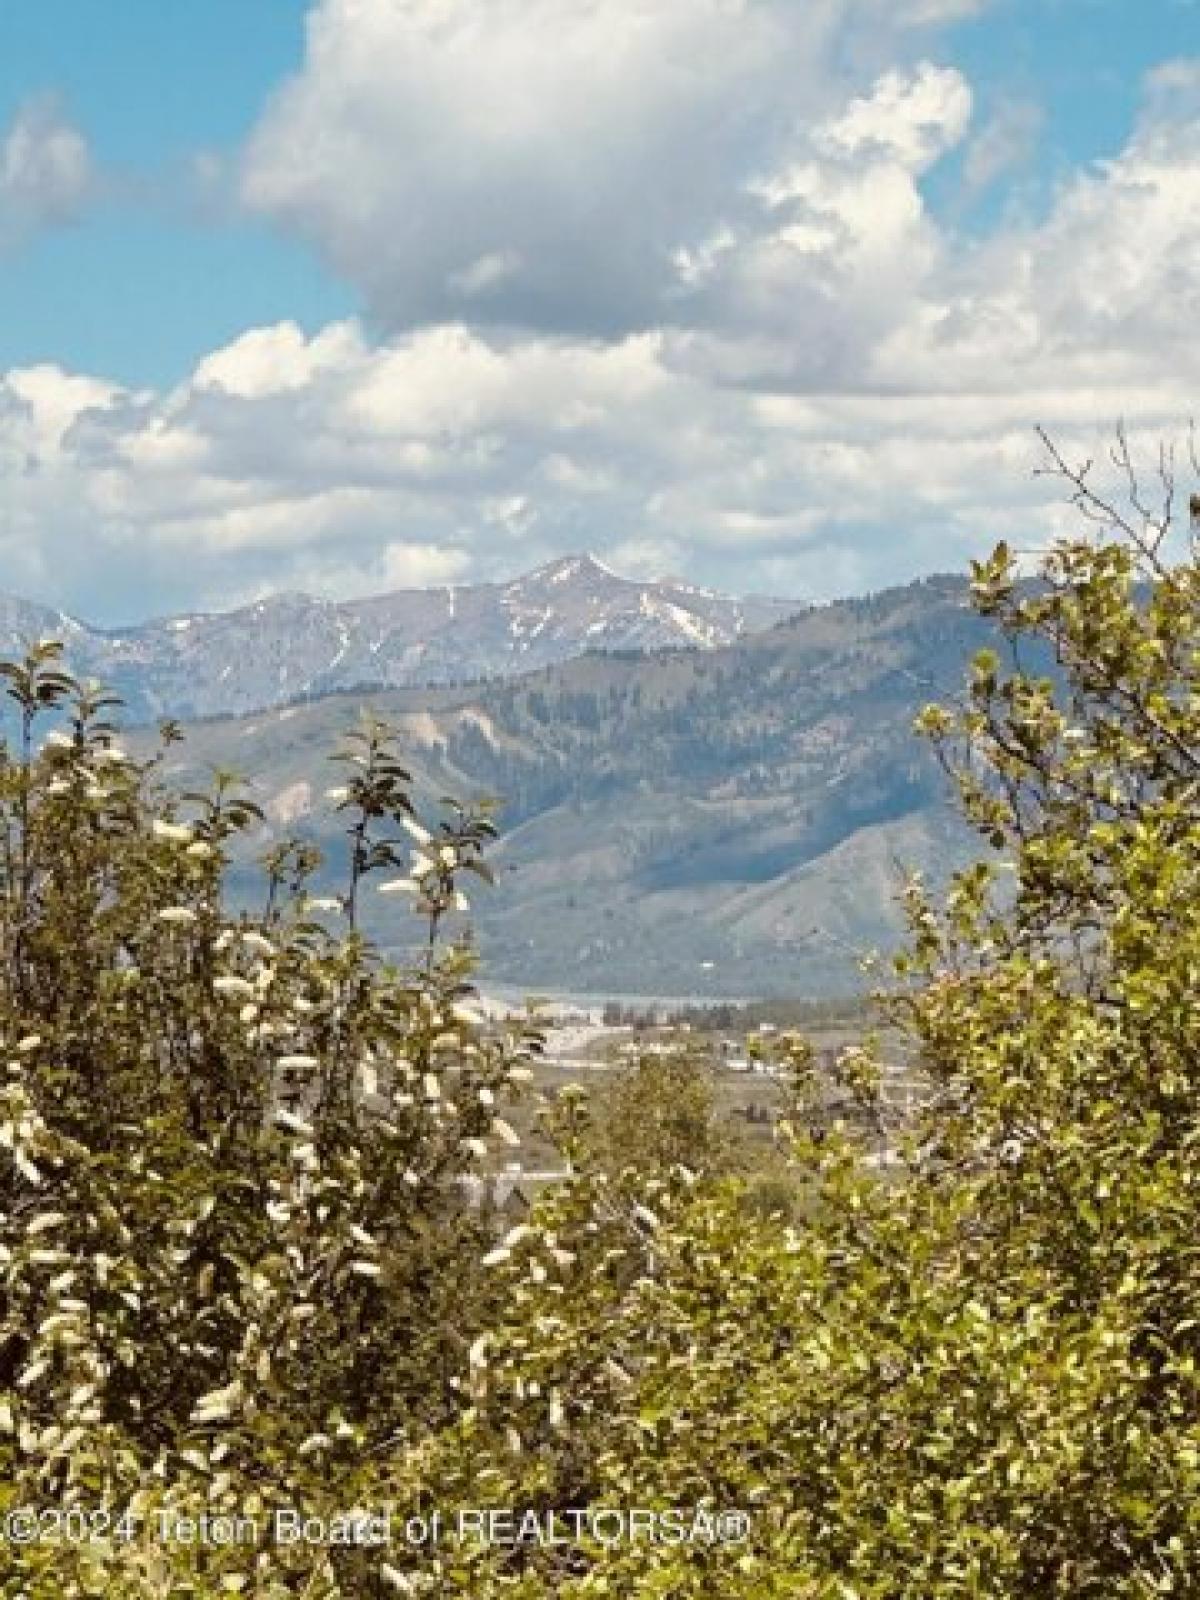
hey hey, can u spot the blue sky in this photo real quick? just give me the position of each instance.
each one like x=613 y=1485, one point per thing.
x=1080 y=62
x=359 y=293
x=141 y=286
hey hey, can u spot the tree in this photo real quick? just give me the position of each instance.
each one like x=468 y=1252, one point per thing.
x=234 y=1253
x=656 y=1112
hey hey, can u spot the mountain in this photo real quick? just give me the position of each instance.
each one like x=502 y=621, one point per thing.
x=725 y=822
x=292 y=645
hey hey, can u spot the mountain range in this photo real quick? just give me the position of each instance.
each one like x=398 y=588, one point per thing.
x=291 y=645
x=727 y=821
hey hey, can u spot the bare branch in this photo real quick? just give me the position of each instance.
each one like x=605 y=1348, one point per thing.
x=1147 y=538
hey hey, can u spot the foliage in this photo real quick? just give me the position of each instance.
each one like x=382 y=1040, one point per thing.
x=233 y=1250
x=657 y=1112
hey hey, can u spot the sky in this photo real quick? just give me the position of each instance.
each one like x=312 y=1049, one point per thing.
x=353 y=295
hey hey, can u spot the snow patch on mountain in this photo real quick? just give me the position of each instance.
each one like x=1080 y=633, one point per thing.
x=289 y=645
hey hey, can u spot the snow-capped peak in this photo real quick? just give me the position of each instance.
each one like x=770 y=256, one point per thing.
x=570 y=569
x=199 y=663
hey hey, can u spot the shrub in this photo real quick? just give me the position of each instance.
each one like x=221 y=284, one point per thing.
x=234 y=1254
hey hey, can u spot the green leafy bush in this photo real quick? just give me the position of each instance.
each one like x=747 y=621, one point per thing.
x=234 y=1253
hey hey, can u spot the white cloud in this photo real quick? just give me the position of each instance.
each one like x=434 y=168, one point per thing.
x=438 y=146
x=837 y=393
x=45 y=172
x=408 y=565
x=1102 y=298
x=51 y=400
x=912 y=118
x=548 y=161
x=838 y=245
x=277 y=360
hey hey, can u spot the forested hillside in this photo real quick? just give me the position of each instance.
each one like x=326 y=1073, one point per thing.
x=728 y=821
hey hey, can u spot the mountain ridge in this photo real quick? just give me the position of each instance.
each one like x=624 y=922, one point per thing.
x=289 y=644
x=729 y=820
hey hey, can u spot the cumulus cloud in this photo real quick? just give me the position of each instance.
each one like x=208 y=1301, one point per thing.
x=911 y=118
x=833 y=390
x=545 y=163
x=538 y=157
x=45 y=171
x=838 y=243
x=1105 y=293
